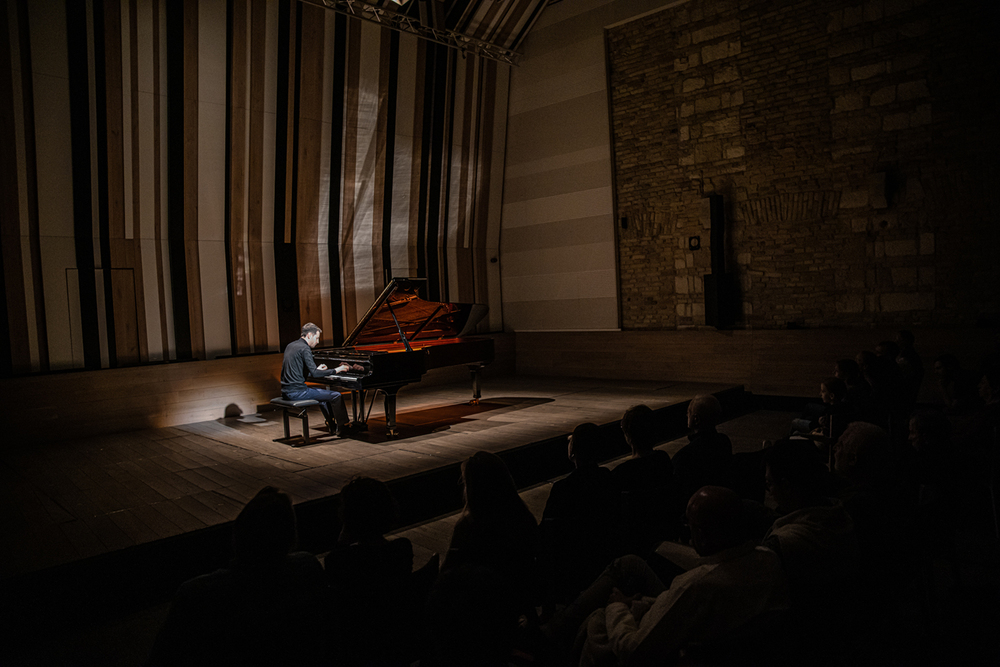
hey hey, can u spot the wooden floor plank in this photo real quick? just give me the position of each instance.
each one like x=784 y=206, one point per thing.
x=175 y=513
x=134 y=527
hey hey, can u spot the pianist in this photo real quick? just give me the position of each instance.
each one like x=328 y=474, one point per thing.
x=299 y=365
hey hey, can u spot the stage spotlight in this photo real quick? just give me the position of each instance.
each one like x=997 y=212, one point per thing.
x=401 y=2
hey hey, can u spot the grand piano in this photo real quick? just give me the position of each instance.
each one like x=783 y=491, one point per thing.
x=398 y=340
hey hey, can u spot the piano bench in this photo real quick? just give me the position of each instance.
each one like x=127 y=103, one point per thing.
x=298 y=410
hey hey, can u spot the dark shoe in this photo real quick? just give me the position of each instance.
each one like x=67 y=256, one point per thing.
x=347 y=430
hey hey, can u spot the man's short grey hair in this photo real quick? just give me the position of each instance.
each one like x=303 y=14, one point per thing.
x=708 y=408
x=309 y=328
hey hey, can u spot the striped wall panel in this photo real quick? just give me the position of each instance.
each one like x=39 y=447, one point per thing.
x=194 y=179
x=558 y=236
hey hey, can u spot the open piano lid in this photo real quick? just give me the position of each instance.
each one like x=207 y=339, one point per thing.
x=418 y=319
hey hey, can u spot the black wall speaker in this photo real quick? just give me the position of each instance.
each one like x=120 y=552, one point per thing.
x=720 y=300
x=717 y=211
x=720 y=287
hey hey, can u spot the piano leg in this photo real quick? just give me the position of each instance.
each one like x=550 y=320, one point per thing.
x=474 y=370
x=390 y=411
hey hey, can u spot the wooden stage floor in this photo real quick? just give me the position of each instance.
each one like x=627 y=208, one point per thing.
x=77 y=499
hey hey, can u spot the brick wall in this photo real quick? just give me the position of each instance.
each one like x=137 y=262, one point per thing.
x=855 y=145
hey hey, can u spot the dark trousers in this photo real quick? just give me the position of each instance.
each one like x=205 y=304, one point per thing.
x=330 y=402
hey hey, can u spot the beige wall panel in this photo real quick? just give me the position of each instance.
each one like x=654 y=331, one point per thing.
x=562 y=286
x=267 y=196
x=366 y=285
x=566 y=10
x=128 y=186
x=558 y=207
x=66 y=346
x=102 y=317
x=212 y=86
x=54 y=157
x=553 y=37
x=211 y=170
x=559 y=161
x=557 y=234
x=558 y=128
x=144 y=38
x=495 y=177
x=212 y=51
x=270 y=297
x=551 y=261
x=146 y=185
x=152 y=301
x=22 y=166
x=29 y=304
x=326 y=133
x=215 y=298
x=571 y=85
x=211 y=226
x=168 y=299
x=402 y=168
x=558 y=181
x=575 y=314
x=271 y=75
x=47 y=23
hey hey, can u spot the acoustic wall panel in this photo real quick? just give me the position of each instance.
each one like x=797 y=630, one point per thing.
x=214 y=173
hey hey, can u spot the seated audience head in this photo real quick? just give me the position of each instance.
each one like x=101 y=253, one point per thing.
x=638 y=425
x=832 y=390
x=367 y=508
x=716 y=517
x=265 y=530
x=930 y=430
x=488 y=485
x=704 y=412
x=863 y=455
x=584 y=444
x=848 y=371
x=796 y=475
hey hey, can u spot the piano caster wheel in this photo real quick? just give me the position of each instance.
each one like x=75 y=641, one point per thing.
x=392 y=433
x=474 y=401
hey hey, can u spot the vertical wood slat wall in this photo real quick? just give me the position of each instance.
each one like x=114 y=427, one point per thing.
x=186 y=215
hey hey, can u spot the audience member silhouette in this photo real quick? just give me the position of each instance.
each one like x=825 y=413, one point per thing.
x=814 y=536
x=859 y=392
x=832 y=418
x=264 y=609
x=646 y=481
x=496 y=529
x=373 y=592
x=631 y=617
x=705 y=460
x=863 y=459
x=579 y=532
x=957 y=387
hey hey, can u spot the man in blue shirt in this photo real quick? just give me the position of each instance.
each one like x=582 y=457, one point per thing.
x=299 y=365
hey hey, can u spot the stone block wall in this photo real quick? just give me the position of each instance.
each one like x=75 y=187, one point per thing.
x=855 y=145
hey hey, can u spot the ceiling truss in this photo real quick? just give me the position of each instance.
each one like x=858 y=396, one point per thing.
x=396 y=21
